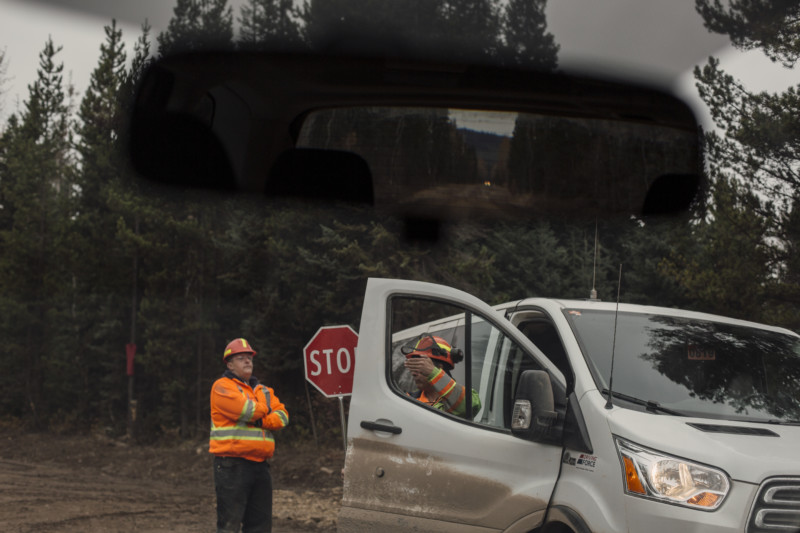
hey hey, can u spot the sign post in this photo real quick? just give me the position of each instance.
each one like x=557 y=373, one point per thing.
x=329 y=359
x=130 y=354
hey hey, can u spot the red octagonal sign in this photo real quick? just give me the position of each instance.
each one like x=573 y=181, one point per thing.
x=329 y=359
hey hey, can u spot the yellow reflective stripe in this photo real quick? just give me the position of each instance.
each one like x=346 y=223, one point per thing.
x=230 y=350
x=460 y=408
x=248 y=411
x=240 y=433
x=267 y=396
x=449 y=388
x=441 y=385
x=458 y=402
x=284 y=416
x=252 y=439
x=438 y=374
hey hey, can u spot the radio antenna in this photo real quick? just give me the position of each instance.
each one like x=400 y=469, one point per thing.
x=593 y=292
x=609 y=405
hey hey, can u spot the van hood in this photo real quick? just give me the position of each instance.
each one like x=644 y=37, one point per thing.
x=747 y=451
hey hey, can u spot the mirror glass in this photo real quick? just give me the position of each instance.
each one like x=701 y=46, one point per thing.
x=481 y=162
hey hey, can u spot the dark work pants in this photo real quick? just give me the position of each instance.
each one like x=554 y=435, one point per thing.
x=244 y=495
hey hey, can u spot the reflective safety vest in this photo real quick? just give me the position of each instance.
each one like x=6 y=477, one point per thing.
x=243 y=419
x=448 y=395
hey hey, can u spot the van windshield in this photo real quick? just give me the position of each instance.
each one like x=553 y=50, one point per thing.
x=695 y=367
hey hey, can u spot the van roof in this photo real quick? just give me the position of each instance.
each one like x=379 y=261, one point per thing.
x=561 y=304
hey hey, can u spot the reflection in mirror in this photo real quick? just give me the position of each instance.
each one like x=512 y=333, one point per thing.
x=515 y=163
x=441 y=141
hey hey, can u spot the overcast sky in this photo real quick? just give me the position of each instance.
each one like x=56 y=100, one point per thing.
x=603 y=34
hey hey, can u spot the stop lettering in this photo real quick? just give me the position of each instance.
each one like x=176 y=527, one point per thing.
x=329 y=359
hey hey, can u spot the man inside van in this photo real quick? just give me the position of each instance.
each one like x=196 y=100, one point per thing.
x=430 y=360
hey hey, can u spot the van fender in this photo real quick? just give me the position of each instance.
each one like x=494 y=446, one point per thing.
x=560 y=517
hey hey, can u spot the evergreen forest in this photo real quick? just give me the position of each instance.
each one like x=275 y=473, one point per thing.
x=93 y=259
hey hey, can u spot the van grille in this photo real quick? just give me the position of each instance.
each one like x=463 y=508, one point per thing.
x=777 y=507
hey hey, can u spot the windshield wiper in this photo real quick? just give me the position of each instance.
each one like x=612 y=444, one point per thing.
x=649 y=405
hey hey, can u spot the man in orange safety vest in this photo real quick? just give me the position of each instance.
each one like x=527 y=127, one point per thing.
x=244 y=413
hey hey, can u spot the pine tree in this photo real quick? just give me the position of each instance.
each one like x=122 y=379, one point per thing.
x=37 y=190
x=760 y=132
x=643 y=248
x=141 y=60
x=270 y=25
x=398 y=28
x=99 y=116
x=784 y=290
x=725 y=265
x=198 y=25
x=169 y=273
x=526 y=41
x=757 y=138
x=3 y=79
x=45 y=119
x=472 y=29
x=771 y=25
x=97 y=345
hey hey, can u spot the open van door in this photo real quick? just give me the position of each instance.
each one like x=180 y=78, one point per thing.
x=413 y=467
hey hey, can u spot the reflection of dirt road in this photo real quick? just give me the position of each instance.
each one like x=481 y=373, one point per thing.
x=73 y=484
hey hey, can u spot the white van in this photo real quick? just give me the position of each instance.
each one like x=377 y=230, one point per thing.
x=700 y=434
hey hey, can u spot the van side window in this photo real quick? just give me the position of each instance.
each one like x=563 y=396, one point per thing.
x=484 y=359
x=499 y=364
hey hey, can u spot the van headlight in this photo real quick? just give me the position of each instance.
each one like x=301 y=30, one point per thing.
x=669 y=479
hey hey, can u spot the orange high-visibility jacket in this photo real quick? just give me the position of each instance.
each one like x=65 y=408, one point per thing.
x=448 y=395
x=243 y=418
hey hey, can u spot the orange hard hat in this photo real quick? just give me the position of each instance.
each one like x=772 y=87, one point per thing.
x=435 y=348
x=237 y=346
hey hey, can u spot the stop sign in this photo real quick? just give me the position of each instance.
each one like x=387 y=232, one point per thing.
x=329 y=359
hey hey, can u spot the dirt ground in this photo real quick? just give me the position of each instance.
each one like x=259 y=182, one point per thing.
x=70 y=484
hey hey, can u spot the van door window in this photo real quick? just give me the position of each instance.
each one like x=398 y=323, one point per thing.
x=481 y=359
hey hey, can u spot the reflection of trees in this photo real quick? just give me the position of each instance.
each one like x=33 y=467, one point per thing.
x=741 y=367
x=557 y=157
x=409 y=148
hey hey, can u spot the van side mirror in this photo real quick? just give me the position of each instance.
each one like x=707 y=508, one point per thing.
x=534 y=417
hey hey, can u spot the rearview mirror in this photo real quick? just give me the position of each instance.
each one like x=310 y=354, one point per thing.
x=420 y=140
